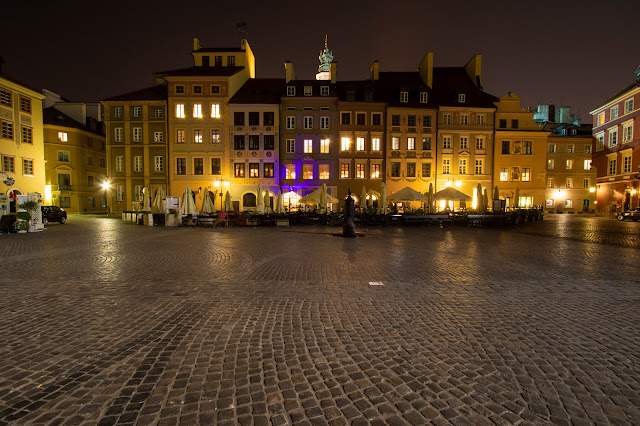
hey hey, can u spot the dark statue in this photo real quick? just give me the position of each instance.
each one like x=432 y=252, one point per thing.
x=349 y=228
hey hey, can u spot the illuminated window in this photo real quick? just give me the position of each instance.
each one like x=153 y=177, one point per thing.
x=395 y=142
x=179 y=88
x=464 y=119
x=375 y=171
x=587 y=149
x=291 y=122
x=446 y=118
x=504 y=174
x=324 y=146
x=479 y=142
x=551 y=164
x=158 y=113
x=526 y=174
x=5 y=98
x=395 y=169
x=599 y=141
x=27 y=135
x=569 y=182
x=308 y=90
x=587 y=164
x=323 y=170
x=345 y=144
x=600 y=119
x=375 y=144
x=25 y=105
x=614 y=112
x=215 y=110
x=137 y=163
x=446 y=142
x=308 y=146
x=626 y=164
x=527 y=148
x=215 y=166
x=307 y=171
x=612 y=170
x=395 y=120
x=291 y=146
x=344 y=170
x=120 y=163
x=159 y=163
x=627 y=133
x=308 y=122
x=426 y=143
x=480 y=119
x=359 y=144
x=62 y=136
x=119 y=135
x=571 y=148
x=254 y=170
x=181 y=166
x=137 y=134
x=424 y=97
x=117 y=112
x=446 y=166
x=239 y=170
x=464 y=142
x=479 y=167
x=291 y=90
x=628 y=105
x=376 y=119
x=568 y=203
x=137 y=111
x=613 y=137
x=180 y=136
x=411 y=144
x=290 y=171
x=158 y=136
x=411 y=169
x=138 y=193
x=197 y=135
x=268 y=170
x=180 y=111
x=63 y=156
x=360 y=171
x=197 y=110
x=462 y=98
x=462 y=169
x=404 y=96
x=569 y=164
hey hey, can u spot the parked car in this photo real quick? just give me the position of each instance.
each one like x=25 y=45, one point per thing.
x=633 y=214
x=53 y=214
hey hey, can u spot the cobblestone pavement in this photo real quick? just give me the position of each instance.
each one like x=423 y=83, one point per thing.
x=103 y=322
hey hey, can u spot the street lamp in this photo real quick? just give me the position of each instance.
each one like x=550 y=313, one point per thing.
x=106 y=185
x=218 y=183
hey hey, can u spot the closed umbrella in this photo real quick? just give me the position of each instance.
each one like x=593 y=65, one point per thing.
x=188 y=204
x=260 y=203
x=279 y=203
x=227 y=202
x=147 y=199
x=363 y=198
x=158 y=202
x=479 y=198
x=383 y=198
x=265 y=200
x=485 y=199
x=207 y=205
x=496 y=193
x=430 y=198
x=516 y=202
x=323 y=197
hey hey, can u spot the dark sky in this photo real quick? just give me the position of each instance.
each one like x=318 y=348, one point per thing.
x=575 y=53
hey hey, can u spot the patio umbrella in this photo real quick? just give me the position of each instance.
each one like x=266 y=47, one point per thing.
x=279 y=204
x=158 y=202
x=227 y=202
x=479 y=198
x=496 y=193
x=323 y=197
x=207 y=205
x=407 y=194
x=450 y=193
x=265 y=200
x=363 y=198
x=188 y=204
x=430 y=198
x=485 y=199
x=260 y=202
x=147 y=199
x=314 y=198
x=516 y=202
x=383 y=198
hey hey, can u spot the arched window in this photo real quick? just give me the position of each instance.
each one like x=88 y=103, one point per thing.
x=249 y=200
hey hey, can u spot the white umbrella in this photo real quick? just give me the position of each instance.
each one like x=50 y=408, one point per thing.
x=260 y=202
x=188 y=205
x=279 y=203
x=158 y=202
x=323 y=197
x=407 y=194
x=266 y=201
x=207 y=205
x=363 y=198
x=383 y=197
x=147 y=199
x=227 y=202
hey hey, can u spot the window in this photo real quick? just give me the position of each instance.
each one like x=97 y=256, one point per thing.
x=158 y=113
x=526 y=174
x=568 y=203
x=480 y=119
x=375 y=144
x=5 y=98
x=426 y=143
x=267 y=118
x=586 y=183
x=215 y=166
x=479 y=143
x=503 y=123
x=587 y=164
x=308 y=122
x=446 y=118
x=290 y=171
x=89 y=160
x=215 y=110
x=63 y=137
x=324 y=123
x=614 y=112
x=462 y=169
x=215 y=89
x=626 y=164
x=599 y=141
x=464 y=119
x=628 y=105
x=137 y=111
x=103 y=163
x=446 y=142
x=89 y=142
x=424 y=97
x=239 y=170
x=119 y=193
x=587 y=149
x=27 y=135
x=269 y=142
x=117 y=112
x=308 y=90
x=375 y=171
x=550 y=182
x=324 y=90
x=231 y=61
x=361 y=118
x=612 y=166
x=291 y=122
x=526 y=149
x=514 y=124
x=569 y=183
x=238 y=142
x=25 y=105
x=613 y=137
x=411 y=144
x=600 y=120
x=65 y=202
x=569 y=164
x=268 y=170
x=308 y=146
x=27 y=167
x=181 y=166
x=63 y=156
x=551 y=164
x=291 y=145
x=360 y=144
x=159 y=163
x=395 y=169
x=324 y=146
x=180 y=111
x=307 y=171
x=627 y=133
x=479 y=167
x=137 y=134
x=462 y=98
x=464 y=142
x=254 y=118
x=426 y=170
x=552 y=148
x=215 y=135
x=376 y=119
x=137 y=163
x=571 y=148
x=120 y=163
x=395 y=142
x=344 y=170
x=238 y=118
x=254 y=170
x=395 y=119
x=180 y=136
x=91 y=203
x=197 y=88
x=345 y=144
x=254 y=142
x=404 y=96
x=446 y=166
x=345 y=118
x=411 y=120
x=411 y=169
x=179 y=88
x=504 y=174
x=506 y=147
x=158 y=136
x=197 y=135
x=291 y=90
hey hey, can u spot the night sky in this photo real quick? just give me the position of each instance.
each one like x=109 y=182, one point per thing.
x=575 y=53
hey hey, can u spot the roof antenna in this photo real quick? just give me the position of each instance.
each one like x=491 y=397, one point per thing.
x=242 y=28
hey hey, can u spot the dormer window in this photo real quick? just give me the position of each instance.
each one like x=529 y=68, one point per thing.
x=291 y=90
x=404 y=97
x=308 y=90
x=424 y=97
x=462 y=98
x=324 y=90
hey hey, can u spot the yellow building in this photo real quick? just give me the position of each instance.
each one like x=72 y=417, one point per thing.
x=75 y=157
x=136 y=130
x=519 y=154
x=21 y=139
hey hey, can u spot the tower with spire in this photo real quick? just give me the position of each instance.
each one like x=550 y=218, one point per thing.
x=324 y=69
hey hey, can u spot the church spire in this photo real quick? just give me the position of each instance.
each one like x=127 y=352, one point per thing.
x=326 y=57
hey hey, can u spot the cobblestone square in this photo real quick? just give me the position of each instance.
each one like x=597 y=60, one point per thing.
x=104 y=322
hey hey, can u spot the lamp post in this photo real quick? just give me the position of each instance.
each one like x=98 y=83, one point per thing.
x=220 y=183
x=106 y=185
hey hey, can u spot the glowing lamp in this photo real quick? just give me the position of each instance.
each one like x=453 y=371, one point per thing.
x=458 y=183
x=592 y=189
x=106 y=185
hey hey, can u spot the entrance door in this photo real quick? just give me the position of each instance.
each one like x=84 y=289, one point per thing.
x=585 y=205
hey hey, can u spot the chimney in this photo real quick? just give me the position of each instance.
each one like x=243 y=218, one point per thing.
x=289 y=73
x=196 y=44
x=426 y=69
x=474 y=70
x=333 y=70
x=375 y=70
